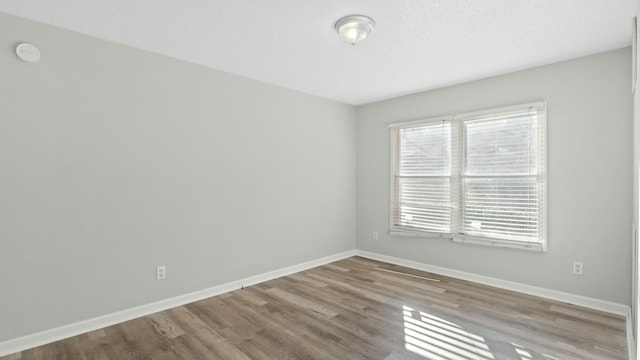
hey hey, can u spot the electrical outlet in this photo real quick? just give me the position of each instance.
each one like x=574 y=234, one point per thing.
x=161 y=272
x=374 y=236
x=578 y=267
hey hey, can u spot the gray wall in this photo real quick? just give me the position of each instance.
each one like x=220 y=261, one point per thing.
x=115 y=160
x=589 y=176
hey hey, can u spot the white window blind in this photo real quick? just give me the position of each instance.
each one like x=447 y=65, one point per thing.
x=476 y=177
x=423 y=177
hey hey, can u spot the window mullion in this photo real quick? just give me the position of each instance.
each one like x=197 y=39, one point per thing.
x=456 y=171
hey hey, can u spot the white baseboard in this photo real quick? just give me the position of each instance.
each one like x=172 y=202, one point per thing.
x=631 y=342
x=592 y=303
x=63 y=332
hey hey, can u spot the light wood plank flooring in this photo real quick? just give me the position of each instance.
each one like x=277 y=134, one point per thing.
x=356 y=309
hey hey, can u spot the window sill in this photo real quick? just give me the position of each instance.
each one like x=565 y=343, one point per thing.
x=470 y=240
x=422 y=234
x=533 y=247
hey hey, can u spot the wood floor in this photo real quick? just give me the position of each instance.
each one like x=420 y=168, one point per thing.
x=356 y=309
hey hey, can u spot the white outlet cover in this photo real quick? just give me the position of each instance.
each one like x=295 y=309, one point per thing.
x=578 y=267
x=161 y=272
x=28 y=53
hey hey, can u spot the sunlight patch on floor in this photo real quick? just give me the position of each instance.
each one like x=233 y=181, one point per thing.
x=526 y=355
x=436 y=338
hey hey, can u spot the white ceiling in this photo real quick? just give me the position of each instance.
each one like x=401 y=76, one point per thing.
x=416 y=44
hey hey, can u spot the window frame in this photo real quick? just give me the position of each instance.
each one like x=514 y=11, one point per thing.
x=395 y=165
x=458 y=175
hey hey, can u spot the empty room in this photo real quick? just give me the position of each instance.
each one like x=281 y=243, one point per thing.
x=218 y=179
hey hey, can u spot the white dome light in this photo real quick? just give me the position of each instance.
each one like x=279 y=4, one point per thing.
x=354 y=28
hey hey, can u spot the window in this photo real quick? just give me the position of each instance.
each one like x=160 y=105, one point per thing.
x=476 y=177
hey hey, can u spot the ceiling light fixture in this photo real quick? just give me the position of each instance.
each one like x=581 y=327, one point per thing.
x=354 y=28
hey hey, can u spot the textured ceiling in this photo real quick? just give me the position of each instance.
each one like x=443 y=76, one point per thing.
x=416 y=45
